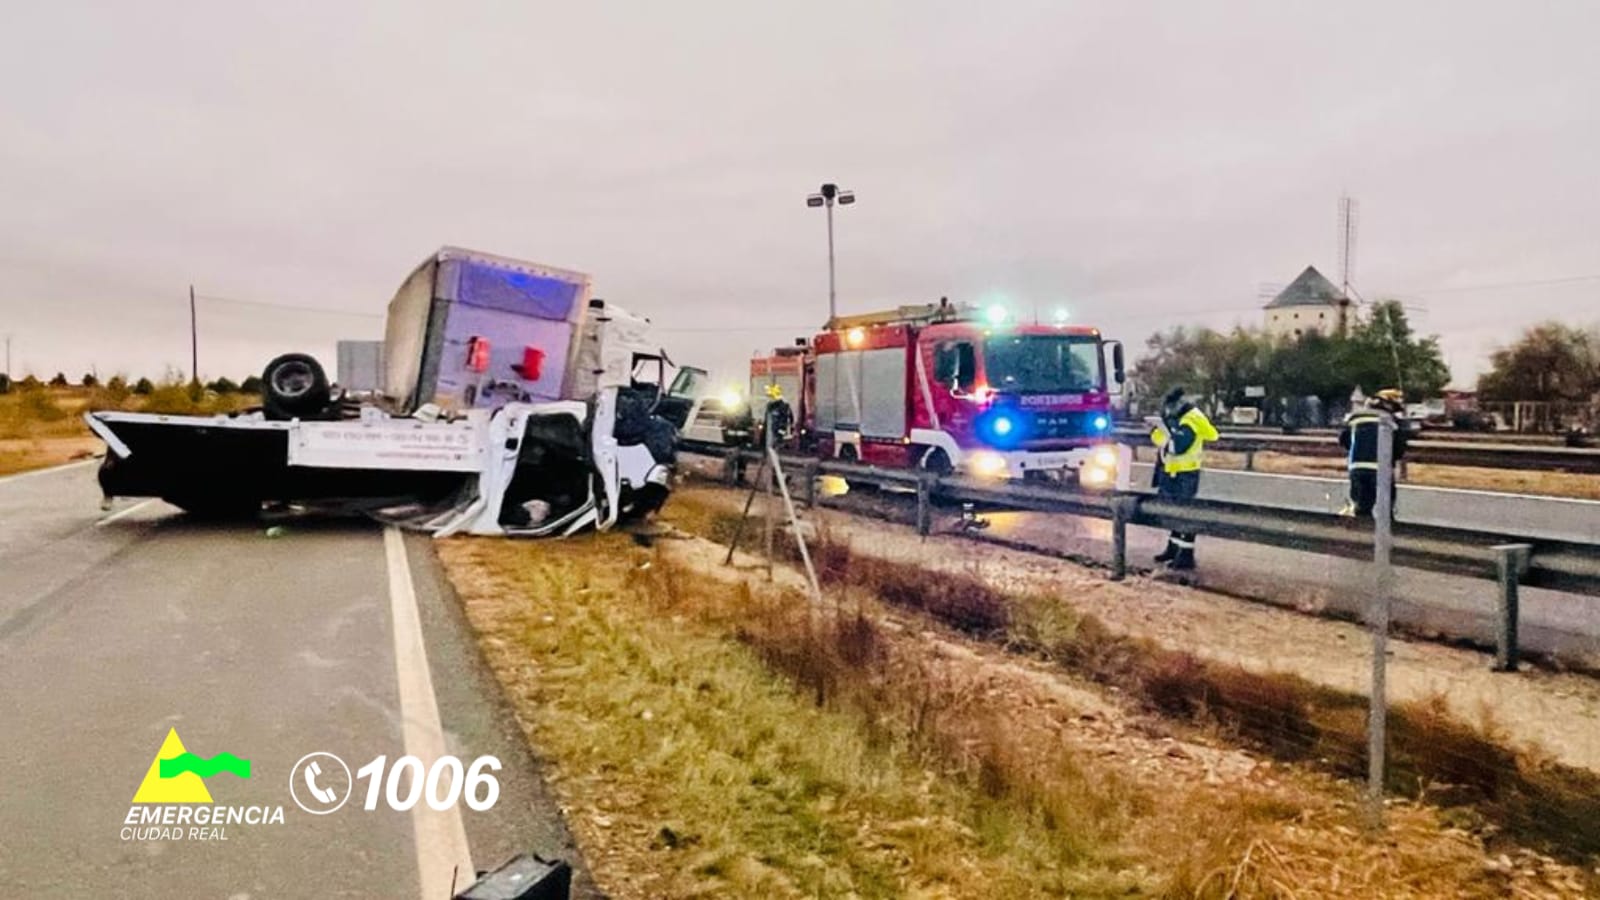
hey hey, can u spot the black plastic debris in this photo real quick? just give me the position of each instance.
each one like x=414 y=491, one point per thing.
x=524 y=877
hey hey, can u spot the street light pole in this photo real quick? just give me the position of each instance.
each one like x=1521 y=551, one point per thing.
x=833 y=293
x=825 y=197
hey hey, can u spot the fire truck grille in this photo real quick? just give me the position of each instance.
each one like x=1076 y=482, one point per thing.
x=1062 y=425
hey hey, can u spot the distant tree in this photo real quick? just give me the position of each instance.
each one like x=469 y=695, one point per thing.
x=29 y=383
x=1215 y=368
x=250 y=385
x=117 y=383
x=1550 y=361
x=143 y=386
x=1382 y=351
x=223 y=386
x=5 y=383
x=89 y=380
x=1211 y=367
x=60 y=380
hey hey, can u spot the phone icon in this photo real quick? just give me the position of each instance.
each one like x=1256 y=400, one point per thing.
x=315 y=786
x=312 y=772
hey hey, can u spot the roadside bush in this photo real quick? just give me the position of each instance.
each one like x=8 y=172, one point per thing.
x=170 y=400
x=114 y=394
x=143 y=387
x=37 y=404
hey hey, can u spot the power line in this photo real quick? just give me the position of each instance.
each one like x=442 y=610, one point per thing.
x=213 y=298
x=1574 y=279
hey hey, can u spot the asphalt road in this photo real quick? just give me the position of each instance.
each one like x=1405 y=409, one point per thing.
x=1556 y=518
x=1564 y=626
x=267 y=643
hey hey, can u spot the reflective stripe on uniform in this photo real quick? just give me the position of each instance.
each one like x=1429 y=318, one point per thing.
x=1181 y=543
x=1363 y=465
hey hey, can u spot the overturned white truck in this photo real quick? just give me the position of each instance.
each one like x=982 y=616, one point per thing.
x=513 y=404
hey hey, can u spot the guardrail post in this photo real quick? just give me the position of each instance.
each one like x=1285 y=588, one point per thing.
x=813 y=472
x=924 y=503
x=1249 y=460
x=1122 y=510
x=1511 y=561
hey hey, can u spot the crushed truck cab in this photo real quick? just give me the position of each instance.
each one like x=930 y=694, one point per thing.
x=577 y=445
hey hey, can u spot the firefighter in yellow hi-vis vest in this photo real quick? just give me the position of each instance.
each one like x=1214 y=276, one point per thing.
x=1180 y=436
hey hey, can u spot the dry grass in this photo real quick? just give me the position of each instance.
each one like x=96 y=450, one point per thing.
x=692 y=770
x=44 y=426
x=1432 y=754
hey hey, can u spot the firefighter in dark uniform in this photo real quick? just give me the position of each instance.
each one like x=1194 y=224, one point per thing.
x=1359 y=437
x=1180 y=436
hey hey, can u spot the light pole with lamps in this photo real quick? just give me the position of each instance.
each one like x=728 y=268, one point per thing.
x=826 y=196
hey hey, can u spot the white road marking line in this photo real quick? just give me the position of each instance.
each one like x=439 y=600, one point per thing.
x=61 y=468
x=441 y=838
x=125 y=512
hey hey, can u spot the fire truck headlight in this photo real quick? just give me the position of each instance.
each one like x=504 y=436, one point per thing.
x=731 y=399
x=1094 y=475
x=1106 y=458
x=987 y=464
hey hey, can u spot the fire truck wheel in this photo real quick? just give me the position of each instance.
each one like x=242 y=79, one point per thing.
x=294 y=386
x=938 y=462
x=847 y=453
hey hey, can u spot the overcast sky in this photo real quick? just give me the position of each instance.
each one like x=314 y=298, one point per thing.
x=1141 y=164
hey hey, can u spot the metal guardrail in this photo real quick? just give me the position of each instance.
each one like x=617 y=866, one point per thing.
x=1509 y=559
x=1451 y=452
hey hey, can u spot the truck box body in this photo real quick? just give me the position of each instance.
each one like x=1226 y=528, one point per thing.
x=470 y=330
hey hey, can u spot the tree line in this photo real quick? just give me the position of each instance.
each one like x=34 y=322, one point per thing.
x=1223 y=370
x=120 y=384
x=1550 y=361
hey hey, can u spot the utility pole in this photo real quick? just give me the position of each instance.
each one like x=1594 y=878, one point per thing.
x=8 y=357
x=1378 y=619
x=194 y=342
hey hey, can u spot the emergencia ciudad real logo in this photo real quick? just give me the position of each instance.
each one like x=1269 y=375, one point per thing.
x=173 y=802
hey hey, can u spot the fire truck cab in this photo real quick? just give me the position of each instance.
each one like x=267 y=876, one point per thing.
x=938 y=387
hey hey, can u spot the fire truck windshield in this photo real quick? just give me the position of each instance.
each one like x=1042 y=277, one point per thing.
x=1042 y=363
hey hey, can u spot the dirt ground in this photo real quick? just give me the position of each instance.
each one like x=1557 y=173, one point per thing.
x=1555 y=712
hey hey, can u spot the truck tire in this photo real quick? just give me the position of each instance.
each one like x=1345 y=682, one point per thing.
x=294 y=386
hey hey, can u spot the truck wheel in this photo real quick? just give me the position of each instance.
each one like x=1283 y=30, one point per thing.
x=294 y=386
x=938 y=462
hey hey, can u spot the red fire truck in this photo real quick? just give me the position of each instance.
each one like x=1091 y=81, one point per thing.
x=939 y=387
